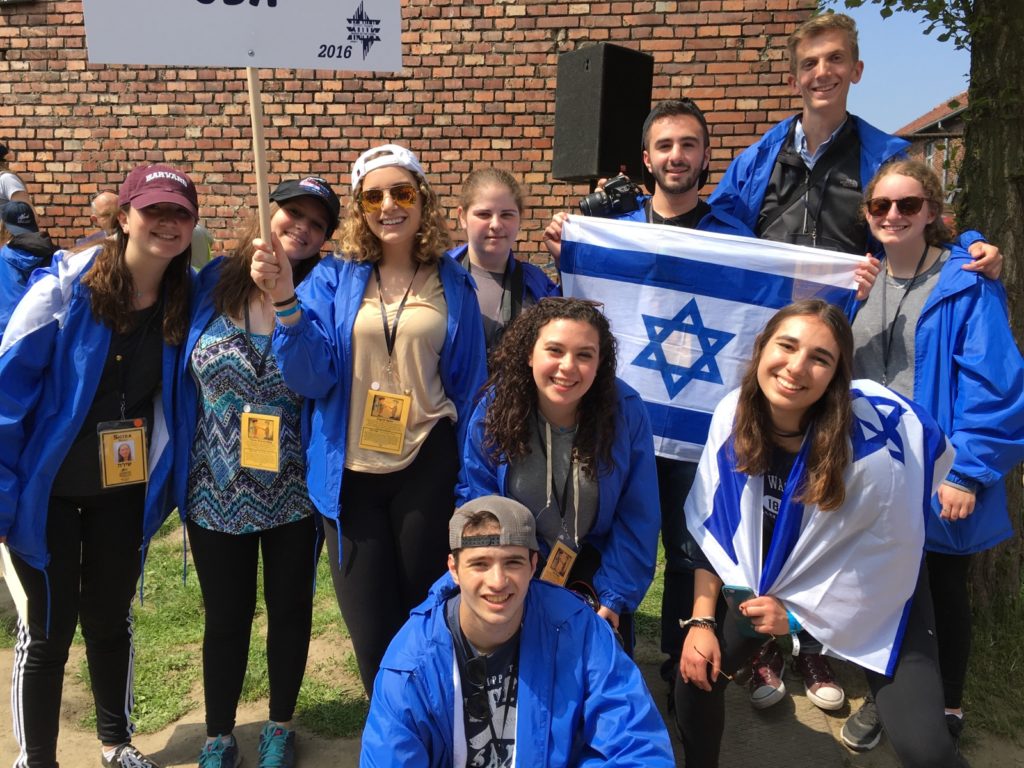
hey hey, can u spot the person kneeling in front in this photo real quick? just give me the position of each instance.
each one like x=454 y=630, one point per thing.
x=495 y=669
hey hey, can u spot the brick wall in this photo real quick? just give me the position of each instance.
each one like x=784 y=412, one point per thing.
x=477 y=88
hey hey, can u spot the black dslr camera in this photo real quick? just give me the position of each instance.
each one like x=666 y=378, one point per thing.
x=619 y=196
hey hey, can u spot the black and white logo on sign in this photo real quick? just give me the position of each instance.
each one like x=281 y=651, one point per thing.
x=364 y=29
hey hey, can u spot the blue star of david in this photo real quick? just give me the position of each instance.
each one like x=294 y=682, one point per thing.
x=688 y=321
x=886 y=435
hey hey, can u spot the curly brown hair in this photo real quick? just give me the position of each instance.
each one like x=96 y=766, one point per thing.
x=111 y=287
x=510 y=416
x=830 y=420
x=936 y=233
x=235 y=285
x=360 y=244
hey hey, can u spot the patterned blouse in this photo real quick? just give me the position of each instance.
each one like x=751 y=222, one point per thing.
x=222 y=495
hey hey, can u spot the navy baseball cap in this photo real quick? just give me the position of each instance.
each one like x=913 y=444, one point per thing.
x=315 y=187
x=19 y=218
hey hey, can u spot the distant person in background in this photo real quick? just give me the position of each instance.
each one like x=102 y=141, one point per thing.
x=23 y=249
x=202 y=246
x=103 y=216
x=11 y=187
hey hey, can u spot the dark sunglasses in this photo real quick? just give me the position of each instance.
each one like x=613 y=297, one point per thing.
x=404 y=194
x=908 y=206
x=477 y=703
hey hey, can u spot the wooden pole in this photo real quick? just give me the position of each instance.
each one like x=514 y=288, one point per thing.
x=259 y=156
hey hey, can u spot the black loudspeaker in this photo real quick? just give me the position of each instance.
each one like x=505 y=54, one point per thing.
x=602 y=97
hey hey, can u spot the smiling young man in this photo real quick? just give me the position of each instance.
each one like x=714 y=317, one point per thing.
x=676 y=152
x=496 y=669
x=802 y=182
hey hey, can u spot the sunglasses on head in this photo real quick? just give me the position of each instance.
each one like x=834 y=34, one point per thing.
x=403 y=194
x=908 y=206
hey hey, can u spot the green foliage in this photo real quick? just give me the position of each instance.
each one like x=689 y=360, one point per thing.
x=954 y=19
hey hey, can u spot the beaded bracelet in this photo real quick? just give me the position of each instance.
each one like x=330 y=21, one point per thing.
x=288 y=312
x=703 y=622
x=286 y=302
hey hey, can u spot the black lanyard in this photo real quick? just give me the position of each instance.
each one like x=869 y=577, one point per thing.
x=390 y=334
x=502 y=322
x=120 y=360
x=252 y=347
x=887 y=331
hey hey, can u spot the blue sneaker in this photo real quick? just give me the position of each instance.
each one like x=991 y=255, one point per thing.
x=277 y=747
x=222 y=752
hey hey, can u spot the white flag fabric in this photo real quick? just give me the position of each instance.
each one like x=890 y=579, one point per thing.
x=685 y=307
x=846 y=575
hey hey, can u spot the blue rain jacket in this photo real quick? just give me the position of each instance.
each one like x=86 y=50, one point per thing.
x=582 y=701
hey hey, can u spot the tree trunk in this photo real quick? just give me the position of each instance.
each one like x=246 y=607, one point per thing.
x=992 y=177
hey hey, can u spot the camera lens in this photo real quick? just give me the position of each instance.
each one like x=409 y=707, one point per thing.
x=595 y=204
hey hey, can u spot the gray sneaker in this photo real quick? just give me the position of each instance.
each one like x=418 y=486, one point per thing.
x=863 y=729
x=127 y=756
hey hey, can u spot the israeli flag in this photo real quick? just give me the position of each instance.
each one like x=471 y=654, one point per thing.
x=846 y=574
x=686 y=306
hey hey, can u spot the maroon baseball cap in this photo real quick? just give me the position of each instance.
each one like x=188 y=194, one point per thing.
x=152 y=184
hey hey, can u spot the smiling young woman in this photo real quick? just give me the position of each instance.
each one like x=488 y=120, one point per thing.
x=490 y=209
x=235 y=508
x=87 y=360
x=939 y=335
x=791 y=494
x=386 y=344
x=558 y=432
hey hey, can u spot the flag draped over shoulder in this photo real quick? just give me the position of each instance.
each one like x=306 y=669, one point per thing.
x=685 y=307
x=847 y=575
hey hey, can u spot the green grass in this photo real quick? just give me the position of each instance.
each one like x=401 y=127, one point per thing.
x=995 y=671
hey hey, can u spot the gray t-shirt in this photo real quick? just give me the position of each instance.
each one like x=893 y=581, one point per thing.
x=874 y=324
x=528 y=483
x=9 y=185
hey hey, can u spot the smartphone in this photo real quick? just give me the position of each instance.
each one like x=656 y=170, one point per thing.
x=734 y=597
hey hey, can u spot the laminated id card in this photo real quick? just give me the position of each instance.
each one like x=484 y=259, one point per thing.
x=560 y=562
x=384 y=420
x=260 y=437
x=123 y=459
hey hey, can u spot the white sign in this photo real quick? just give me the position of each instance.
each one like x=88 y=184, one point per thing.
x=353 y=35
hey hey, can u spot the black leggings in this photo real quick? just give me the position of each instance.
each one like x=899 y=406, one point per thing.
x=227 y=569
x=909 y=702
x=94 y=544
x=394 y=544
x=675 y=478
x=947 y=575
